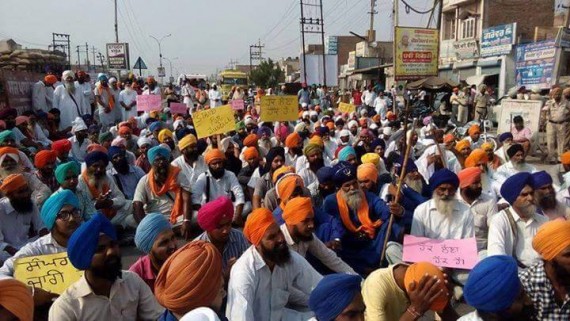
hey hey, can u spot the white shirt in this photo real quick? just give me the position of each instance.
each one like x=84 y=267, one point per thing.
x=62 y=101
x=78 y=151
x=257 y=293
x=42 y=96
x=428 y=222
x=15 y=226
x=290 y=160
x=88 y=96
x=368 y=97
x=381 y=107
x=214 y=95
x=218 y=187
x=507 y=170
x=191 y=172
x=127 y=97
x=41 y=136
x=483 y=209
x=188 y=93
x=428 y=170
x=319 y=250
x=42 y=246
x=155 y=91
x=501 y=237
x=308 y=176
x=473 y=316
x=154 y=203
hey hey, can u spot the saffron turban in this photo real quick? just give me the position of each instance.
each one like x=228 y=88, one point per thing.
x=5 y=134
x=416 y=271
x=98 y=148
x=281 y=171
x=565 y=158
x=343 y=172
x=297 y=210
x=145 y=141
x=149 y=229
x=53 y=205
x=250 y=140
x=476 y=157
x=17 y=299
x=187 y=141
x=474 y=129
x=505 y=136
x=345 y=153
x=11 y=152
x=493 y=284
x=370 y=158
x=256 y=224
x=513 y=186
x=50 y=79
x=12 y=183
x=190 y=278
x=540 y=179
x=367 y=171
x=317 y=140
x=155 y=126
x=448 y=138
x=333 y=294
x=62 y=169
x=212 y=213
x=250 y=153
x=163 y=134
x=443 y=176
x=83 y=242
x=464 y=143
x=293 y=140
x=551 y=239
x=124 y=130
x=487 y=146
x=311 y=149
x=44 y=157
x=156 y=151
x=469 y=176
x=97 y=156
x=212 y=155
x=286 y=185
x=325 y=175
x=513 y=149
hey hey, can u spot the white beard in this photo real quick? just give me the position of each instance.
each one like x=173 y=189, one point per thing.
x=70 y=86
x=527 y=211
x=444 y=207
x=415 y=184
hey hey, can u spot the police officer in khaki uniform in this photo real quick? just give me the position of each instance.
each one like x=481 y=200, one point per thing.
x=557 y=116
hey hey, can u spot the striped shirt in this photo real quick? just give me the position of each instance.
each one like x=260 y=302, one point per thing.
x=236 y=245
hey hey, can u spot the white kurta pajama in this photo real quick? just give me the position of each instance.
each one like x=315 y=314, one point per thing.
x=127 y=97
x=107 y=118
x=69 y=110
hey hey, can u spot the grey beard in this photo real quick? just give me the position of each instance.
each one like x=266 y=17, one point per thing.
x=415 y=184
x=353 y=199
x=444 y=207
x=518 y=166
x=70 y=86
x=527 y=211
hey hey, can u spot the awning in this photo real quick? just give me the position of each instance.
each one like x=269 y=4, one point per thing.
x=477 y=79
x=370 y=70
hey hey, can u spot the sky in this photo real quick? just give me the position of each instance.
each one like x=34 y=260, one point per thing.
x=205 y=35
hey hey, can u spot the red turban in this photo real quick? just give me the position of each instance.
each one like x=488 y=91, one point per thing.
x=477 y=156
x=469 y=176
x=212 y=155
x=293 y=140
x=250 y=153
x=62 y=146
x=96 y=148
x=297 y=210
x=211 y=214
x=12 y=183
x=250 y=140
x=124 y=130
x=256 y=224
x=448 y=138
x=43 y=157
x=50 y=79
x=190 y=278
x=17 y=299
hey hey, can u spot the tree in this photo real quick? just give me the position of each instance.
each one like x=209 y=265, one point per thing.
x=267 y=74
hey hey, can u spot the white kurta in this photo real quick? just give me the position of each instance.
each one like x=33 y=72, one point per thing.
x=507 y=170
x=428 y=222
x=191 y=172
x=88 y=97
x=213 y=95
x=428 y=170
x=127 y=97
x=69 y=110
x=42 y=96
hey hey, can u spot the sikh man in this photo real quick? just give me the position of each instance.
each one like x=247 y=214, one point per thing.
x=10 y=163
x=493 y=161
x=62 y=148
x=505 y=140
x=83 y=85
x=293 y=148
x=482 y=206
x=126 y=176
x=367 y=175
x=314 y=156
x=166 y=137
x=191 y=163
x=480 y=159
x=437 y=157
x=557 y=115
x=128 y=101
x=474 y=137
x=152 y=89
x=215 y=218
x=274 y=160
x=68 y=100
x=105 y=100
x=362 y=216
x=45 y=163
x=164 y=191
x=93 y=248
x=337 y=297
x=494 y=290
x=79 y=141
x=545 y=197
x=42 y=93
x=16 y=301
x=144 y=144
x=67 y=176
x=516 y=164
x=262 y=278
x=547 y=282
x=512 y=229
x=323 y=187
x=155 y=238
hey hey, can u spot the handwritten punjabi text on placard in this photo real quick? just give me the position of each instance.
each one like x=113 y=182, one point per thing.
x=52 y=272
x=178 y=108
x=346 y=108
x=149 y=102
x=279 y=108
x=460 y=254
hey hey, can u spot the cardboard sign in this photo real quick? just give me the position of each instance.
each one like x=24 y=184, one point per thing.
x=52 y=272
x=238 y=104
x=178 y=108
x=346 y=108
x=213 y=121
x=279 y=108
x=149 y=102
x=457 y=254
x=529 y=110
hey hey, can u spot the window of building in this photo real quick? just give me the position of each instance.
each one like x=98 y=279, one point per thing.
x=449 y=26
x=468 y=28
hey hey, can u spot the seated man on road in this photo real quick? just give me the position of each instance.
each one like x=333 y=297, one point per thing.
x=545 y=197
x=521 y=134
x=16 y=301
x=516 y=164
x=338 y=297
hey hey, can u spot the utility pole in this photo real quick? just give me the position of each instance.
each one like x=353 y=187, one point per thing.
x=371 y=32
x=101 y=57
x=233 y=64
x=87 y=56
x=255 y=53
x=116 y=25
x=160 y=50
x=78 y=59
x=313 y=25
x=93 y=50
x=63 y=41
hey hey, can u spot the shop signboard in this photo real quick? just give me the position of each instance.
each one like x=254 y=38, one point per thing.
x=417 y=52
x=535 y=64
x=498 y=40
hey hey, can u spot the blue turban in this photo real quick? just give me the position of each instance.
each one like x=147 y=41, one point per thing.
x=410 y=165
x=181 y=133
x=443 y=176
x=343 y=172
x=148 y=230
x=377 y=142
x=83 y=242
x=505 y=136
x=114 y=151
x=540 y=179
x=513 y=186
x=95 y=157
x=154 y=126
x=264 y=130
x=101 y=77
x=53 y=205
x=321 y=130
x=157 y=151
x=333 y=294
x=493 y=284
x=325 y=174
x=5 y=134
x=345 y=152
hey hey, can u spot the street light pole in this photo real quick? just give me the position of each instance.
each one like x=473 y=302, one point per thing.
x=170 y=62
x=160 y=49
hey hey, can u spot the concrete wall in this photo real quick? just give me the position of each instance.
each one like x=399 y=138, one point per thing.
x=527 y=17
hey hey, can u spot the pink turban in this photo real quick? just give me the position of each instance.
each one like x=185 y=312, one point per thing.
x=210 y=215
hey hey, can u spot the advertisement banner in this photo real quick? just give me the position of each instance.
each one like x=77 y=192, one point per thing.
x=466 y=49
x=498 y=40
x=118 y=55
x=417 y=52
x=535 y=64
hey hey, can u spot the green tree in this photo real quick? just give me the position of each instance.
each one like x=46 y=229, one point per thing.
x=267 y=74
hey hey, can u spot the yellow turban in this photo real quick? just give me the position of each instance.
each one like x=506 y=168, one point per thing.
x=370 y=158
x=367 y=171
x=186 y=141
x=462 y=144
x=282 y=171
x=317 y=140
x=552 y=238
x=163 y=134
x=487 y=146
x=297 y=210
x=311 y=149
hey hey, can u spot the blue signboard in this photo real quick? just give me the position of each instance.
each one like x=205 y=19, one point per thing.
x=498 y=40
x=535 y=63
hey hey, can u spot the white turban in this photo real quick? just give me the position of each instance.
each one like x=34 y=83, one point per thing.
x=67 y=73
x=143 y=141
x=77 y=125
x=344 y=133
x=249 y=121
x=352 y=123
x=200 y=314
x=15 y=157
x=119 y=142
x=313 y=113
x=387 y=131
x=300 y=127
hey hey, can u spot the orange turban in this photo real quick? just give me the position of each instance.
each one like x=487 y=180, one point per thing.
x=50 y=79
x=250 y=153
x=17 y=299
x=477 y=156
x=448 y=138
x=250 y=140
x=376 y=118
x=317 y=140
x=367 y=172
x=372 y=158
x=293 y=140
x=487 y=146
x=330 y=125
x=190 y=278
x=286 y=185
x=256 y=224
x=297 y=210
x=462 y=144
x=565 y=158
x=282 y=171
x=468 y=176
x=552 y=238
x=212 y=155
x=416 y=271
x=124 y=130
x=12 y=183
x=9 y=152
x=474 y=129
x=43 y=157
x=96 y=148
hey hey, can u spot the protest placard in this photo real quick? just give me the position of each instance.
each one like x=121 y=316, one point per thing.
x=53 y=272
x=459 y=254
x=238 y=104
x=346 y=108
x=178 y=108
x=213 y=121
x=279 y=108
x=149 y=102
